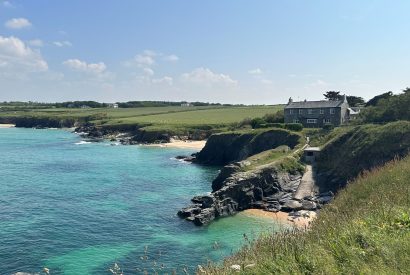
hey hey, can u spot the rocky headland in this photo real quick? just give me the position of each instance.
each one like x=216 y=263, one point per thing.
x=271 y=187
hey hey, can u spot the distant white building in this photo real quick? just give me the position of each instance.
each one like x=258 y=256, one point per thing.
x=186 y=104
x=113 y=105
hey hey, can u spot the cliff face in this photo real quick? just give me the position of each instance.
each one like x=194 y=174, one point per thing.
x=359 y=149
x=240 y=191
x=224 y=148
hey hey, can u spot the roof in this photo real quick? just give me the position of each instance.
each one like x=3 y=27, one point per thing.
x=353 y=112
x=315 y=104
x=312 y=149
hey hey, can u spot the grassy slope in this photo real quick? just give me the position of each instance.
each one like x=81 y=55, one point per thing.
x=365 y=230
x=348 y=153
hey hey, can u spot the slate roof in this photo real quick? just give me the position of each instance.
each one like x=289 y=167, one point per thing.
x=314 y=104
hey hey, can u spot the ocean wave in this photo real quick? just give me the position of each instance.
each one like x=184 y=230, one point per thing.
x=82 y=142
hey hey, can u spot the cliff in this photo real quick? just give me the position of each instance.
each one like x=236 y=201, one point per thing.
x=359 y=149
x=224 y=148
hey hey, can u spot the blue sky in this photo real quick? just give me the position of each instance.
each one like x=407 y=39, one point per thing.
x=231 y=51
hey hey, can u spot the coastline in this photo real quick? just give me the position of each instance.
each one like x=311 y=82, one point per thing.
x=197 y=144
x=7 y=125
x=284 y=217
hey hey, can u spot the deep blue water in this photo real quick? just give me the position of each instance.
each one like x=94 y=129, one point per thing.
x=77 y=208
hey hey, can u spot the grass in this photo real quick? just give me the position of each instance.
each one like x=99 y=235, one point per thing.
x=158 y=118
x=211 y=116
x=362 y=147
x=365 y=230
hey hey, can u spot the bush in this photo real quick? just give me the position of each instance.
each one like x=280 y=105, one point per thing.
x=328 y=127
x=245 y=122
x=294 y=127
x=257 y=122
x=278 y=117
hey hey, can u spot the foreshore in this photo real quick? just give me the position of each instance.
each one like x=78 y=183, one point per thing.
x=7 y=125
x=299 y=222
x=197 y=144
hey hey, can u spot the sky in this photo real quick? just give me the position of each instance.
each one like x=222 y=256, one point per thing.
x=227 y=51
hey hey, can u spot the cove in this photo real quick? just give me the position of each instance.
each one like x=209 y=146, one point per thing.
x=77 y=207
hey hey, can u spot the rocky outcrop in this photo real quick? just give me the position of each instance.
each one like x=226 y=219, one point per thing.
x=268 y=188
x=224 y=148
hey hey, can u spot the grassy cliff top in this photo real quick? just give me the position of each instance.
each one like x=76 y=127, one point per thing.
x=365 y=230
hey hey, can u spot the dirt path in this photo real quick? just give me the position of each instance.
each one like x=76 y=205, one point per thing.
x=307 y=184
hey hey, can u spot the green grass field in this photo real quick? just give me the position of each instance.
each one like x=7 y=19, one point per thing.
x=154 y=117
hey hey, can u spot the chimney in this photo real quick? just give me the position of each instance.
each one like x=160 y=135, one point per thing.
x=290 y=100
x=344 y=98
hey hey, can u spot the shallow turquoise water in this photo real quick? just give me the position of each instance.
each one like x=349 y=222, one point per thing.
x=77 y=208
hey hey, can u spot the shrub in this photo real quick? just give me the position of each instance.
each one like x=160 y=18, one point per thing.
x=328 y=127
x=294 y=127
x=245 y=122
x=257 y=122
x=277 y=117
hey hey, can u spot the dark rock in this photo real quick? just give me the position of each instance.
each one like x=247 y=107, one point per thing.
x=292 y=205
x=308 y=205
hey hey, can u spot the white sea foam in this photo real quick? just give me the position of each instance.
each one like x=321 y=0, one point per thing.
x=82 y=142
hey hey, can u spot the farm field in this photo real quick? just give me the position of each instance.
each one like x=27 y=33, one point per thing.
x=209 y=116
x=153 y=117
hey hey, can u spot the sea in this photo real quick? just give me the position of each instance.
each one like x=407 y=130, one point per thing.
x=78 y=207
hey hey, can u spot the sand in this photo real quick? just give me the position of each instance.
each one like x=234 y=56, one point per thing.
x=300 y=222
x=7 y=125
x=197 y=144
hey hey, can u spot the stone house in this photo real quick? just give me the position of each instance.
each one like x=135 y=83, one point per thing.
x=315 y=114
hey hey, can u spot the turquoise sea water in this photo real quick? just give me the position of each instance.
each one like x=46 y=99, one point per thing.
x=76 y=208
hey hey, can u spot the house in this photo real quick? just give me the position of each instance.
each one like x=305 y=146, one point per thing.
x=186 y=104
x=310 y=154
x=315 y=114
x=113 y=105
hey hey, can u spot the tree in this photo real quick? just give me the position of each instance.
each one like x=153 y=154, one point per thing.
x=376 y=99
x=355 y=101
x=332 y=95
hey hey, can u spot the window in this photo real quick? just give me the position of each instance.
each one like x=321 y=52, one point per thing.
x=332 y=111
x=291 y=111
x=326 y=121
x=322 y=111
x=310 y=111
x=300 y=111
x=296 y=121
x=311 y=121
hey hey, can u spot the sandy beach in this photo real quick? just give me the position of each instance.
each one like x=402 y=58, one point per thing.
x=7 y=125
x=197 y=144
x=300 y=222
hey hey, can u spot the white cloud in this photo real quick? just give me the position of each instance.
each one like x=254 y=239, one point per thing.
x=255 y=71
x=144 y=59
x=82 y=66
x=164 y=80
x=206 y=76
x=36 y=43
x=62 y=43
x=148 y=71
x=16 y=56
x=18 y=23
x=148 y=58
x=172 y=58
